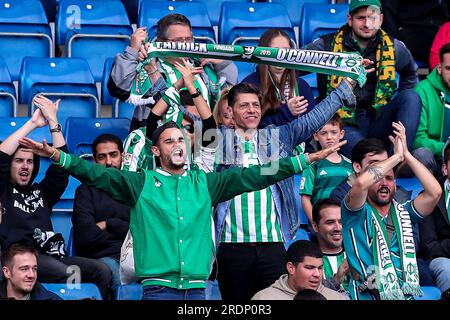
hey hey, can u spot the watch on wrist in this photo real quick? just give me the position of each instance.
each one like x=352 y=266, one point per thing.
x=196 y=94
x=56 y=128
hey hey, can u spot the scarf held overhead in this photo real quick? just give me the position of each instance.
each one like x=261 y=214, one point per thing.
x=335 y=63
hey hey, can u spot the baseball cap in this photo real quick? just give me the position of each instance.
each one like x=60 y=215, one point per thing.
x=355 y=4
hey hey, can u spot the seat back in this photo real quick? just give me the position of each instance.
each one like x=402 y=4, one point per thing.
x=67 y=78
x=243 y=23
x=78 y=291
x=74 y=15
x=101 y=31
x=150 y=12
x=106 y=97
x=23 y=33
x=214 y=8
x=318 y=19
x=65 y=203
x=81 y=132
x=8 y=100
x=294 y=8
x=8 y=125
x=123 y=109
x=129 y=292
x=301 y=213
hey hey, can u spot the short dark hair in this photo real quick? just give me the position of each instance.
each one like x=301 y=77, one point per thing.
x=322 y=204
x=336 y=121
x=446 y=153
x=366 y=146
x=169 y=20
x=444 y=50
x=300 y=249
x=104 y=138
x=240 y=88
x=309 y=294
x=161 y=129
x=13 y=250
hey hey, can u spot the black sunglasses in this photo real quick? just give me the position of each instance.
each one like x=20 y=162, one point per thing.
x=189 y=128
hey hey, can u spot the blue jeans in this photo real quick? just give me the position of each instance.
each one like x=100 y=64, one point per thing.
x=166 y=293
x=405 y=107
x=114 y=265
x=440 y=268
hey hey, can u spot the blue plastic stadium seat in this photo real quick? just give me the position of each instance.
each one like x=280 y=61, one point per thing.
x=302 y=216
x=214 y=8
x=62 y=223
x=106 y=97
x=123 y=109
x=301 y=234
x=67 y=78
x=294 y=8
x=151 y=11
x=429 y=293
x=10 y=125
x=243 y=23
x=319 y=19
x=79 y=291
x=410 y=184
x=24 y=31
x=129 y=292
x=244 y=69
x=65 y=203
x=81 y=132
x=8 y=100
x=93 y=30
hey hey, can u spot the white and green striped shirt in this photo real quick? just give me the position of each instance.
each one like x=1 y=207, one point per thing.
x=137 y=151
x=253 y=216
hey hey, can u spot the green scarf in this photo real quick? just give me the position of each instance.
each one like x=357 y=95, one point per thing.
x=387 y=280
x=341 y=64
x=385 y=72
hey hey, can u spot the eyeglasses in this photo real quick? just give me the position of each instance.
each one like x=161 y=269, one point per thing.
x=189 y=128
x=187 y=39
x=227 y=115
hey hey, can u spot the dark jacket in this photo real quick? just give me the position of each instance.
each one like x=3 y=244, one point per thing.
x=435 y=231
x=91 y=206
x=29 y=207
x=283 y=115
x=405 y=66
x=38 y=292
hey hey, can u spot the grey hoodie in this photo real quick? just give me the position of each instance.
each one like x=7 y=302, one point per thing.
x=280 y=290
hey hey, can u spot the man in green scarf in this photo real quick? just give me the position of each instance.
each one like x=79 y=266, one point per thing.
x=434 y=125
x=388 y=94
x=378 y=231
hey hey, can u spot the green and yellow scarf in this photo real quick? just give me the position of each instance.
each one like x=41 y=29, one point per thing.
x=385 y=71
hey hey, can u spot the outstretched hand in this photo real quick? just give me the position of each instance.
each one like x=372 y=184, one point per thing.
x=41 y=149
x=322 y=154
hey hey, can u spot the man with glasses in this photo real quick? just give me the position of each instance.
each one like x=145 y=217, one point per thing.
x=212 y=77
